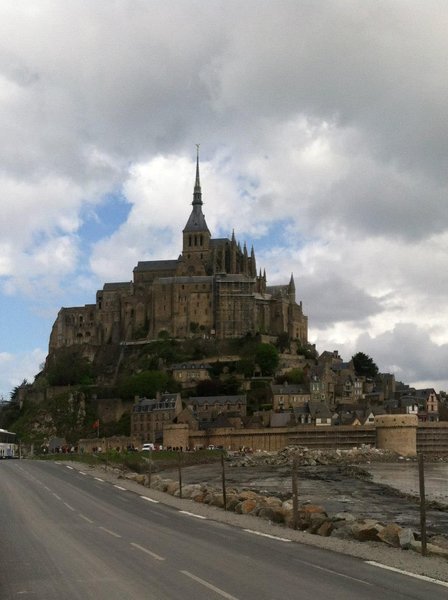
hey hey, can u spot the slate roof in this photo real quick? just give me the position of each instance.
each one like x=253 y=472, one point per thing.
x=289 y=389
x=166 y=402
x=156 y=265
x=121 y=285
x=212 y=400
x=196 y=221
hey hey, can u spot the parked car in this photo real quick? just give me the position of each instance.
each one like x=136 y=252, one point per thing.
x=148 y=447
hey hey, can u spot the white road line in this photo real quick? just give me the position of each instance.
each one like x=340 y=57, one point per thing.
x=149 y=499
x=209 y=586
x=422 y=577
x=68 y=506
x=82 y=473
x=109 y=531
x=309 y=564
x=86 y=518
x=120 y=488
x=69 y=467
x=153 y=554
x=99 y=479
x=190 y=514
x=56 y=496
x=272 y=537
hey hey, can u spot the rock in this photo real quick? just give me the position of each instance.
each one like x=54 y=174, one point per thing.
x=271 y=514
x=342 y=533
x=248 y=506
x=246 y=494
x=343 y=516
x=325 y=529
x=188 y=491
x=405 y=538
x=172 y=487
x=217 y=500
x=390 y=535
x=366 y=531
x=440 y=541
x=232 y=503
x=430 y=548
x=273 y=501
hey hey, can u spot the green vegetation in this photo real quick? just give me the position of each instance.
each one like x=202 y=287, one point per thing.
x=69 y=367
x=266 y=357
x=364 y=365
x=293 y=376
x=146 y=384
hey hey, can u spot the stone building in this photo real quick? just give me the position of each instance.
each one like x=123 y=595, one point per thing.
x=212 y=289
x=150 y=415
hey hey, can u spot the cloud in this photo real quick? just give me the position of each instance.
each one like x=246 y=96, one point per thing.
x=14 y=368
x=323 y=128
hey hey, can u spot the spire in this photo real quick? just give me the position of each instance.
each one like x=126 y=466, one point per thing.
x=196 y=221
x=197 y=194
x=291 y=282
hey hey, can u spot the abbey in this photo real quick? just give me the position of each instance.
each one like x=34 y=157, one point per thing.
x=212 y=289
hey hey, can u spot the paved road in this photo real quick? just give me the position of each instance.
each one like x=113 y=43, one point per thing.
x=66 y=535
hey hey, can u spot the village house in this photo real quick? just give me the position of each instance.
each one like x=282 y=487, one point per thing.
x=286 y=397
x=207 y=408
x=189 y=374
x=149 y=416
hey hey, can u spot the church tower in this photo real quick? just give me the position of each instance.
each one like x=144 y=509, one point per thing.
x=196 y=235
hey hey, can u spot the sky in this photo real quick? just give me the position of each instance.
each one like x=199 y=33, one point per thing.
x=324 y=143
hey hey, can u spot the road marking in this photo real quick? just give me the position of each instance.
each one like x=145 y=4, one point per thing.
x=120 y=488
x=68 y=506
x=69 y=467
x=82 y=473
x=314 y=566
x=422 y=577
x=56 y=496
x=209 y=586
x=99 y=479
x=109 y=531
x=149 y=499
x=153 y=554
x=272 y=537
x=85 y=518
x=190 y=514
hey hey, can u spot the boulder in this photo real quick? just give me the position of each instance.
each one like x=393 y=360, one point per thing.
x=172 y=487
x=390 y=535
x=248 y=506
x=325 y=529
x=232 y=503
x=217 y=500
x=367 y=530
x=247 y=494
x=271 y=514
x=405 y=538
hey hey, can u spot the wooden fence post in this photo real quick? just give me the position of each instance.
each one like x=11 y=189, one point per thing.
x=295 y=493
x=224 y=495
x=421 y=478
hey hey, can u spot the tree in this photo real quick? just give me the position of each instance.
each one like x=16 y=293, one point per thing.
x=293 y=376
x=145 y=384
x=266 y=357
x=364 y=365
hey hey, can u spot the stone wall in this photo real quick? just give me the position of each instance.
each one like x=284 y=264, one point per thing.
x=432 y=438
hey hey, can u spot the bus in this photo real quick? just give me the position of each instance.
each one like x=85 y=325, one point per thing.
x=8 y=444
